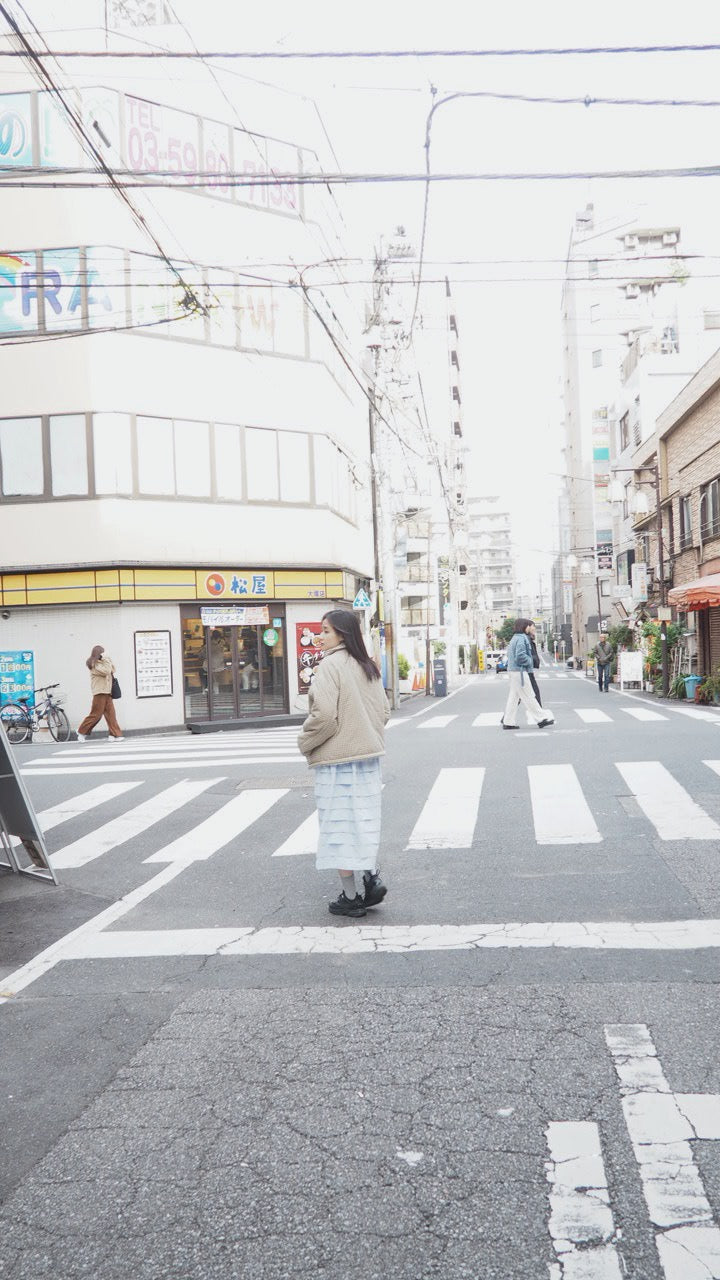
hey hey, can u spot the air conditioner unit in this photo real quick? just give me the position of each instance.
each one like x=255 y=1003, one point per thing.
x=630 y=242
x=670 y=237
x=632 y=291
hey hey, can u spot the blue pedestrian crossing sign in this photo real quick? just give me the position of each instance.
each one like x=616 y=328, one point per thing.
x=362 y=600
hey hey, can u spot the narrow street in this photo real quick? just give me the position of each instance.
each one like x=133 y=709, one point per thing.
x=511 y=1069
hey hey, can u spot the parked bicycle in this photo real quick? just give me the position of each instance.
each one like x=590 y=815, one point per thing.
x=21 y=721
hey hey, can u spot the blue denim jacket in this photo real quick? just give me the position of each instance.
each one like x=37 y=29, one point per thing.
x=519 y=654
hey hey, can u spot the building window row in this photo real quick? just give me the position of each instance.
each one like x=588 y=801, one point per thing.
x=97 y=455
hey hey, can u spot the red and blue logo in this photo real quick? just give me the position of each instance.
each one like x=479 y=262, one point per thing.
x=215 y=584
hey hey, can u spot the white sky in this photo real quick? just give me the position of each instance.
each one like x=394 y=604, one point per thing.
x=375 y=114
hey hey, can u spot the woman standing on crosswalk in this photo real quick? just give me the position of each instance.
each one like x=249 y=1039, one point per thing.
x=343 y=739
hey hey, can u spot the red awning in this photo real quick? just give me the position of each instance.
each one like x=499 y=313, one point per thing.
x=701 y=593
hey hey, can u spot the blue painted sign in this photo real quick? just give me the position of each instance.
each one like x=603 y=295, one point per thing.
x=17 y=675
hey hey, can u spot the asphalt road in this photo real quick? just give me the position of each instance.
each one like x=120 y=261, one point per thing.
x=510 y=1070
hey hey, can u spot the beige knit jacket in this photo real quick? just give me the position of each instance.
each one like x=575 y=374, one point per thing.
x=101 y=675
x=347 y=713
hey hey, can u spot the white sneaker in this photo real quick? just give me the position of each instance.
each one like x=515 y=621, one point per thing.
x=82 y=737
x=118 y=739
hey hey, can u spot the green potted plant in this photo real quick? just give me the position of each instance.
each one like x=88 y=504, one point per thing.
x=404 y=674
x=677 y=687
x=710 y=688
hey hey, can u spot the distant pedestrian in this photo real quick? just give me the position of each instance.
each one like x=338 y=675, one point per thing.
x=343 y=739
x=101 y=671
x=536 y=663
x=603 y=657
x=520 y=665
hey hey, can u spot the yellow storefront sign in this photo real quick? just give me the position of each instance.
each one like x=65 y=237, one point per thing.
x=108 y=586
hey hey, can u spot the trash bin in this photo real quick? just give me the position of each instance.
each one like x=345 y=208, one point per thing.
x=691 y=684
x=440 y=678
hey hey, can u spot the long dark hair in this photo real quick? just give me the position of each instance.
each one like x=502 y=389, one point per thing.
x=95 y=656
x=348 y=627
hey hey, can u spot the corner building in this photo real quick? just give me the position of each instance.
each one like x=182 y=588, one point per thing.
x=183 y=451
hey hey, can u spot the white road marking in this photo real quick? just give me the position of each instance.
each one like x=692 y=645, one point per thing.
x=613 y=935
x=592 y=715
x=107 y=766
x=450 y=812
x=112 y=754
x=673 y=813
x=560 y=811
x=437 y=722
x=641 y=713
x=581 y=1223
x=47 y=959
x=220 y=828
x=303 y=840
x=130 y=824
x=487 y=719
x=561 y=676
x=687 y=1239
x=77 y=805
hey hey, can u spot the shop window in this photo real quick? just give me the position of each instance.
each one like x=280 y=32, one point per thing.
x=68 y=455
x=262 y=464
x=294 y=467
x=21 y=457
x=112 y=453
x=156 y=470
x=228 y=461
x=192 y=458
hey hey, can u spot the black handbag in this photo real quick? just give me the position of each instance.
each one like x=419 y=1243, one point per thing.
x=115 y=690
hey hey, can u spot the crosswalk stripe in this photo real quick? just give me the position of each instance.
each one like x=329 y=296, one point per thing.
x=561 y=813
x=31 y=771
x=581 y=1223
x=437 y=722
x=642 y=713
x=303 y=840
x=77 y=805
x=128 y=825
x=450 y=812
x=220 y=828
x=593 y=715
x=669 y=807
x=487 y=719
x=214 y=753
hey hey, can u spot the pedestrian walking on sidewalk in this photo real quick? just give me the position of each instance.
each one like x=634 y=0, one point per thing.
x=536 y=663
x=343 y=739
x=101 y=671
x=603 y=657
x=520 y=665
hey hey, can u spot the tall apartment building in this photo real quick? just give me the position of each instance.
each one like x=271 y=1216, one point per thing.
x=635 y=328
x=184 y=458
x=493 y=583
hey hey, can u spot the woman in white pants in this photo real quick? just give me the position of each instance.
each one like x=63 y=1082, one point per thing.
x=520 y=664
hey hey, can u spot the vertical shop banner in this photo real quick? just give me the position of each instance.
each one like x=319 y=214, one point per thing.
x=308 y=651
x=17 y=675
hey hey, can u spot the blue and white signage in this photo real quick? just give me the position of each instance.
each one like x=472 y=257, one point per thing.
x=362 y=600
x=17 y=675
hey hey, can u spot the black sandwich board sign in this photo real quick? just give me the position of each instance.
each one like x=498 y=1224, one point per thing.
x=22 y=847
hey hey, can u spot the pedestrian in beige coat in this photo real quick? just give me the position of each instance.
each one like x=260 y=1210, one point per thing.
x=101 y=671
x=343 y=739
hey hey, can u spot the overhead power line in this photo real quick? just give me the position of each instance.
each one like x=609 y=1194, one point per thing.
x=128 y=178
x=289 y=55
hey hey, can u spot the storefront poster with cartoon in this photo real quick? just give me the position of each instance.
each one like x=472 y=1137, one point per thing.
x=309 y=653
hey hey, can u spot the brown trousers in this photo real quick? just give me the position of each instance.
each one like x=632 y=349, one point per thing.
x=102 y=705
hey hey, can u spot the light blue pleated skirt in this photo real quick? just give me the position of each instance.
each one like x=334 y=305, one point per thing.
x=348 y=798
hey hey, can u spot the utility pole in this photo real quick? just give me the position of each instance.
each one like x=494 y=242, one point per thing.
x=665 y=676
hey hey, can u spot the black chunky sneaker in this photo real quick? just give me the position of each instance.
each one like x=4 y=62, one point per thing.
x=375 y=890
x=343 y=906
